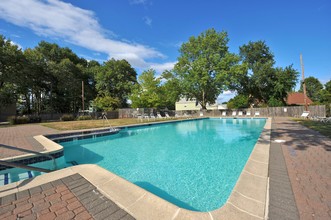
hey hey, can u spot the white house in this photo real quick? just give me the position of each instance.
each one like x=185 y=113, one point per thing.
x=192 y=104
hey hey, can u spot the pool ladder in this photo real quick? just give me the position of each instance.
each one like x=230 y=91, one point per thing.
x=105 y=120
x=27 y=167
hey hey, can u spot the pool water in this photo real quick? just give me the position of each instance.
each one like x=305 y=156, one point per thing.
x=193 y=164
x=16 y=174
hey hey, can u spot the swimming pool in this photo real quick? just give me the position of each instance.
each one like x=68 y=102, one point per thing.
x=193 y=164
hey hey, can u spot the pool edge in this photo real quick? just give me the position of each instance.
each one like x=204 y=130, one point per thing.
x=246 y=201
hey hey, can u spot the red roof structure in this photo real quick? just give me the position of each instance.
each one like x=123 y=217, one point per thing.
x=297 y=98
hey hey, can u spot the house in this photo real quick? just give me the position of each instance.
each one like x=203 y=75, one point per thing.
x=297 y=98
x=192 y=104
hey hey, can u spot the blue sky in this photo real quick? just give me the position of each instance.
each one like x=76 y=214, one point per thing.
x=148 y=33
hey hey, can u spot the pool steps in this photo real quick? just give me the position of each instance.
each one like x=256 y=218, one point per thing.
x=8 y=178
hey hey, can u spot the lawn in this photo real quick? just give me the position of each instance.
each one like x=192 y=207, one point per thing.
x=88 y=124
x=323 y=128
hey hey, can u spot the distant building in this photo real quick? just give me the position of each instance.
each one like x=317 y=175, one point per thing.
x=297 y=98
x=192 y=104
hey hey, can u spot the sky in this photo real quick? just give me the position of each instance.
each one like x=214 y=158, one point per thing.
x=149 y=33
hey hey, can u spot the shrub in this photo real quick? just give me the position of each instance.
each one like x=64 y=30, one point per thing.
x=85 y=117
x=11 y=120
x=34 y=119
x=67 y=117
x=18 y=120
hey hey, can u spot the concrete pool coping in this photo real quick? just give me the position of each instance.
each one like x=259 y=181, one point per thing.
x=248 y=199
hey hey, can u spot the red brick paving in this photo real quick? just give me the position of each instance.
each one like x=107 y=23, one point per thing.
x=22 y=137
x=308 y=159
x=44 y=206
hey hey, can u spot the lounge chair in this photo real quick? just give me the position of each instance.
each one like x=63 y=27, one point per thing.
x=257 y=113
x=151 y=115
x=187 y=115
x=240 y=113
x=248 y=113
x=234 y=113
x=305 y=114
x=167 y=115
x=201 y=114
x=159 y=115
x=224 y=114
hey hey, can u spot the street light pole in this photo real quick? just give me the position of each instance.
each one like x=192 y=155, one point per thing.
x=303 y=83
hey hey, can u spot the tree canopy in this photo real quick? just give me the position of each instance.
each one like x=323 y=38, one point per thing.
x=205 y=66
x=115 y=81
x=48 y=78
x=313 y=87
x=263 y=83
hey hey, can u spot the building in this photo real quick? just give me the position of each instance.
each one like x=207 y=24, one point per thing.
x=189 y=105
x=297 y=98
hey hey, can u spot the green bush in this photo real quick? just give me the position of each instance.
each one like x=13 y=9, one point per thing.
x=67 y=117
x=84 y=117
x=18 y=120
x=34 y=119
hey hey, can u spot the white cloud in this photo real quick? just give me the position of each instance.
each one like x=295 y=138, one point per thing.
x=18 y=45
x=138 y=2
x=57 y=19
x=226 y=96
x=162 y=67
x=147 y=20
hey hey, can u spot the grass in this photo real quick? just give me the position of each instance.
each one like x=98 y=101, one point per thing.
x=323 y=128
x=88 y=124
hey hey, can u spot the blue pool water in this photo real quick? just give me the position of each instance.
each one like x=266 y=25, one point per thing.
x=193 y=164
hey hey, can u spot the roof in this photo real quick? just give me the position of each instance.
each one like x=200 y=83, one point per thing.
x=297 y=98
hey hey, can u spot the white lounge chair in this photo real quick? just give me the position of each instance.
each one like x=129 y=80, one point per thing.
x=187 y=115
x=151 y=115
x=240 y=113
x=224 y=114
x=159 y=115
x=201 y=114
x=234 y=113
x=257 y=113
x=305 y=114
x=167 y=115
x=248 y=113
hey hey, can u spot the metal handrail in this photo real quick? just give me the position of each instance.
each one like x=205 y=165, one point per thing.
x=31 y=152
x=27 y=151
x=18 y=165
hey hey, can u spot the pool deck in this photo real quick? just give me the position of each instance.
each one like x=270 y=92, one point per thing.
x=306 y=159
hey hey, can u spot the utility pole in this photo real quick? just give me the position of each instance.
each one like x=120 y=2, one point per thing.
x=83 y=97
x=303 y=83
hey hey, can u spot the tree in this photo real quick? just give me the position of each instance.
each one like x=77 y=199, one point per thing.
x=239 y=101
x=205 y=66
x=170 y=90
x=11 y=68
x=116 y=79
x=313 y=87
x=264 y=83
x=146 y=93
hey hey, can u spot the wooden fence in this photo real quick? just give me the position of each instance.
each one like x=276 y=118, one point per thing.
x=287 y=111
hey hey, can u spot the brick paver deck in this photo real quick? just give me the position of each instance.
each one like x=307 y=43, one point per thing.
x=281 y=199
x=22 y=137
x=308 y=159
x=72 y=197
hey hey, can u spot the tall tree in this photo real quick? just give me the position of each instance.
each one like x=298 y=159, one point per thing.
x=313 y=87
x=116 y=79
x=146 y=93
x=205 y=66
x=263 y=83
x=170 y=89
x=11 y=69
